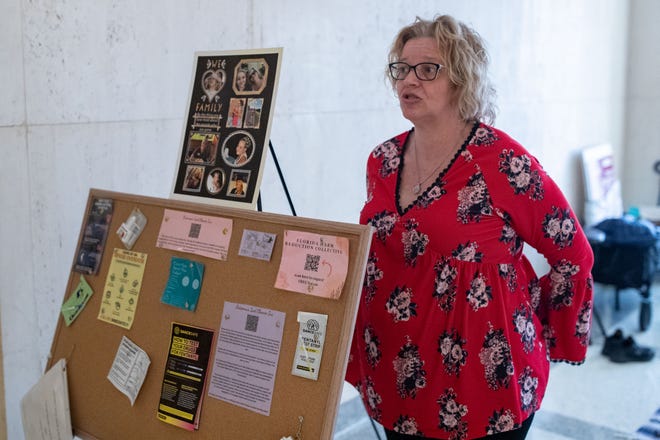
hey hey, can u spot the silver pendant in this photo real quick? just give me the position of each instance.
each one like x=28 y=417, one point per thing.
x=416 y=189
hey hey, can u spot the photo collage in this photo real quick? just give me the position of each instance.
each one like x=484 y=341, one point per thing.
x=226 y=130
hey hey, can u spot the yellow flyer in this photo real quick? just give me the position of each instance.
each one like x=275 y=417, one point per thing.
x=313 y=264
x=122 y=287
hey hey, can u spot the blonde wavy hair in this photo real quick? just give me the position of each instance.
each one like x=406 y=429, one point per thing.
x=465 y=59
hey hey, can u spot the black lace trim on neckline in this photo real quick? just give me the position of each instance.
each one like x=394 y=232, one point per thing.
x=465 y=144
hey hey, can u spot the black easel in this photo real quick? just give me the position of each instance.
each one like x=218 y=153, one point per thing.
x=279 y=172
x=293 y=211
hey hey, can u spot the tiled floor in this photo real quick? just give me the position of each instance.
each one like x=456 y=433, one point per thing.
x=598 y=400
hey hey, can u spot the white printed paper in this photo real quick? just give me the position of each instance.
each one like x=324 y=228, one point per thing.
x=246 y=356
x=309 y=350
x=45 y=408
x=256 y=244
x=129 y=368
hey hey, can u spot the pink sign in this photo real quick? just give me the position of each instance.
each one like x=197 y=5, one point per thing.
x=313 y=264
x=195 y=233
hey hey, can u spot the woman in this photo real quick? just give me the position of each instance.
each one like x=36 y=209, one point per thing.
x=235 y=112
x=241 y=80
x=454 y=328
x=214 y=181
x=242 y=150
x=256 y=78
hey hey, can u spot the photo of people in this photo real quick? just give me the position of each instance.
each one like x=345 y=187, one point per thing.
x=238 y=148
x=215 y=181
x=253 y=114
x=240 y=79
x=226 y=129
x=236 y=109
x=93 y=240
x=202 y=148
x=250 y=76
x=212 y=82
x=193 y=180
x=238 y=183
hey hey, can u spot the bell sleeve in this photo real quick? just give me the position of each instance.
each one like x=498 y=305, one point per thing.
x=536 y=209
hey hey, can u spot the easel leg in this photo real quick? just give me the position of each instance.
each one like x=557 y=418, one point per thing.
x=279 y=172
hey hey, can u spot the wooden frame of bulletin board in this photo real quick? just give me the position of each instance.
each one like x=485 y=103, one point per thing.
x=89 y=345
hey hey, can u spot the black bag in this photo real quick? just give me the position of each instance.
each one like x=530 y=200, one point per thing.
x=628 y=254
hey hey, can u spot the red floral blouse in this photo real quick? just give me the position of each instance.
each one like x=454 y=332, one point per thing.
x=454 y=331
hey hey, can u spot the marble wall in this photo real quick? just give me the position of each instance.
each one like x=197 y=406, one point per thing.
x=94 y=95
x=640 y=184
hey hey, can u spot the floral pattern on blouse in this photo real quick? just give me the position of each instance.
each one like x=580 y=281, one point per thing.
x=451 y=415
x=484 y=136
x=388 y=154
x=519 y=173
x=410 y=376
x=372 y=274
x=479 y=293
x=372 y=345
x=433 y=193
x=407 y=425
x=502 y=420
x=508 y=273
x=562 y=287
x=528 y=391
x=495 y=356
x=414 y=242
x=509 y=235
x=455 y=331
x=371 y=398
x=524 y=326
x=473 y=200
x=384 y=222
x=445 y=286
x=467 y=252
x=453 y=354
x=560 y=227
x=400 y=304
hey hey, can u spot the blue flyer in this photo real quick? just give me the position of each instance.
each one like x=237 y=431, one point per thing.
x=184 y=284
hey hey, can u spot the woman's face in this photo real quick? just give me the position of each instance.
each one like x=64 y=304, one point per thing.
x=424 y=101
x=241 y=79
x=256 y=80
x=241 y=148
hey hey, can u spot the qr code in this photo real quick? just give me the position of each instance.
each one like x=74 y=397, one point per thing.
x=251 y=323
x=194 y=230
x=312 y=262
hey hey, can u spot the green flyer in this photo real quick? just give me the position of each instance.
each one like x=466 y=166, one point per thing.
x=76 y=301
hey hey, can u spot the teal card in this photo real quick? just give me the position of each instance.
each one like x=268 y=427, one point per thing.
x=184 y=284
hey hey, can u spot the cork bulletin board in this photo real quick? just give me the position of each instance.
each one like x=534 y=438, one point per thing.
x=99 y=410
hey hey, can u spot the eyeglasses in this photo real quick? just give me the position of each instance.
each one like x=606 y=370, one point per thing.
x=423 y=71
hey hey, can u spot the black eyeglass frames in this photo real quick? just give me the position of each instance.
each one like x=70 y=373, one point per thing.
x=423 y=71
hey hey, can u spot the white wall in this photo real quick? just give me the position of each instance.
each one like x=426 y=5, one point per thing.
x=94 y=94
x=641 y=185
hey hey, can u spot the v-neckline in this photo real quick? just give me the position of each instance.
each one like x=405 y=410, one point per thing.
x=401 y=210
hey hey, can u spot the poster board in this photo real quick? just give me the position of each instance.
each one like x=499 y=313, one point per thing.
x=602 y=185
x=227 y=127
x=89 y=345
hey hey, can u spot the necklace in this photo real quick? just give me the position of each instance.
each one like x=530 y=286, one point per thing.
x=417 y=188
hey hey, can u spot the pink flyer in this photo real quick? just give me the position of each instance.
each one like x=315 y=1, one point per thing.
x=195 y=233
x=313 y=264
